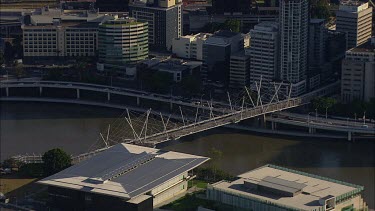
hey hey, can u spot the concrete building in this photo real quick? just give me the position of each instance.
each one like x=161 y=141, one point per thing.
x=355 y=19
x=239 y=72
x=190 y=46
x=56 y=34
x=123 y=42
x=123 y=177
x=164 y=19
x=264 y=53
x=316 y=58
x=358 y=73
x=272 y=187
x=217 y=51
x=294 y=22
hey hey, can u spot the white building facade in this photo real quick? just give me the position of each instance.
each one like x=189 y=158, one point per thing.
x=190 y=46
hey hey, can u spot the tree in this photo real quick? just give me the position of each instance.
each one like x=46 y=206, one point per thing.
x=8 y=52
x=232 y=25
x=323 y=103
x=321 y=10
x=11 y=163
x=215 y=156
x=19 y=71
x=2 y=61
x=191 y=85
x=55 y=160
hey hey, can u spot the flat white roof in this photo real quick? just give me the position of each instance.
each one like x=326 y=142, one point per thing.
x=313 y=187
x=125 y=171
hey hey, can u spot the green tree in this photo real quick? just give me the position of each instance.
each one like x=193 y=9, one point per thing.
x=11 y=163
x=232 y=25
x=215 y=156
x=2 y=61
x=8 y=52
x=81 y=66
x=19 y=71
x=191 y=85
x=55 y=160
x=321 y=10
x=323 y=104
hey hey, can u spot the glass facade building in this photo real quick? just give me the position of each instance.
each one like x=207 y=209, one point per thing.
x=122 y=43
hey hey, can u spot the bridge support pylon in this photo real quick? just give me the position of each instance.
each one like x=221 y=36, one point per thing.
x=108 y=96
x=40 y=91
x=349 y=136
x=171 y=106
x=78 y=94
x=274 y=125
x=138 y=101
x=312 y=130
x=7 y=91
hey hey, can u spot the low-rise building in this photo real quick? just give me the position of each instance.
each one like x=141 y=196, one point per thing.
x=358 y=73
x=58 y=34
x=190 y=46
x=276 y=188
x=123 y=177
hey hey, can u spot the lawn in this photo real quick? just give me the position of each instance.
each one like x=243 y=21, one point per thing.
x=189 y=202
x=198 y=184
x=11 y=183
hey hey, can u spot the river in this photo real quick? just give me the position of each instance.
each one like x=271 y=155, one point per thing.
x=37 y=127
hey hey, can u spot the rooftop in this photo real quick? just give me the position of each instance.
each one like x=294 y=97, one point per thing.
x=124 y=171
x=305 y=189
x=367 y=47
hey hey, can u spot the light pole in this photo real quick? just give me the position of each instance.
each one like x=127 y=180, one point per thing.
x=347 y=121
x=316 y=114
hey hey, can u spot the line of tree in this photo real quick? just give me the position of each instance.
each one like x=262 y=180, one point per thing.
x=54 y=160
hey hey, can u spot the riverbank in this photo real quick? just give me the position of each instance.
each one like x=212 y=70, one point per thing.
x=38 y=127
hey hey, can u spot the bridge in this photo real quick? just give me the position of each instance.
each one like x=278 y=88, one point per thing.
x=207 y=115
x=314 y=122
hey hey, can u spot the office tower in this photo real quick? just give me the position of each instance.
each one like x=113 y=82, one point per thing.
x=264 y=51
x=123 y=42
x=355 y=19
x=294 y=39
x=190 y=46
x=217 y=50
x=164 y=19
x=58 y=34
x=239 y=70
x=316 y=58
x=358 y=73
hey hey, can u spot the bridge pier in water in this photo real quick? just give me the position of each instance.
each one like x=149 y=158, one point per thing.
x=138 y=101
x=40 y=91
x=349 y=136
x=108 y=96
x=7 y=91
x=78 y=94
x=312 y=130
x=274 y=125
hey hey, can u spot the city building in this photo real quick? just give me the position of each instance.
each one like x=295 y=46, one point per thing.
x=217 y=51
x=123 y=42
x=316 y=57
x=272 y=187
x=57 y=34
x=190 y=46
x=164 y=19
x=176 y=70
x=239 y=72
x=112 y=5
x=294 y=15
x=358 y=73
x=123 y=177
x=355 y=19
x=264 y=53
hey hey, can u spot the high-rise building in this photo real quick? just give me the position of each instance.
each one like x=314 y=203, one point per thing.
x=58 y=34
x=294 y=40
x=190 y=46
x=239 y=70
x=316 y=59
x=123 y=42
x=355 y=19
x=217 y=51
x=164 y=19
x=264 y=51
x=358 y=73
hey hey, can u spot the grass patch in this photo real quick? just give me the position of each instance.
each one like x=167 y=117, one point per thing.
x=198 y=183
x=12 y=183
x=189 y=202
